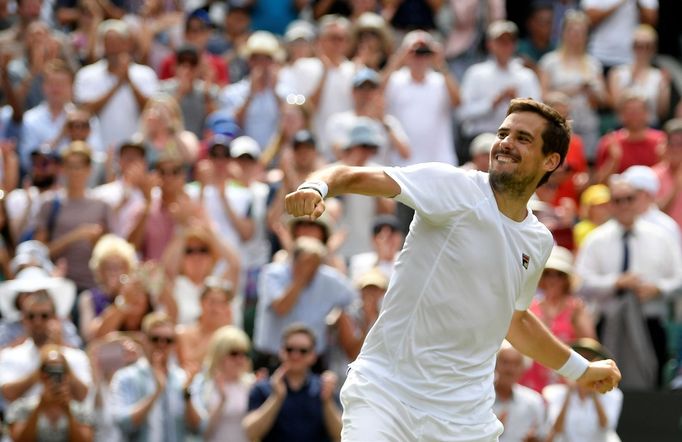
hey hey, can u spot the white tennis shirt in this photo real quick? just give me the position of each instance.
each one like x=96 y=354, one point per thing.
x=464 y=269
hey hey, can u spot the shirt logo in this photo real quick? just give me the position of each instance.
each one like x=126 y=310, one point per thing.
x=525 y=259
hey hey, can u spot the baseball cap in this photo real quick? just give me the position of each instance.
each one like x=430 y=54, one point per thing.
x=366 y=75
x=299 y=30
x=373 y=277
x=642 y=178
x=220 y=142
x=595 y=195
x=135 y=142
x=244 y=145
x=560 y=259
x=482 y=144
x=364 y=133
x=500 y=27
x=77 y=148
x=382 y=221
x=31 y=252
x=187 y=54
x=303 y=136
x=46 y=151
x=222 y=123
x=262 y=42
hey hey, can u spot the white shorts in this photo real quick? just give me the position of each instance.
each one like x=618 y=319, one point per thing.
x=372 y=414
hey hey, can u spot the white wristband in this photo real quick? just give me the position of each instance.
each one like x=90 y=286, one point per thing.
x=574 y=367
x=318 y=186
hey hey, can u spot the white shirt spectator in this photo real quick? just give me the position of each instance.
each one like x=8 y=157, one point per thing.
x=525 y=414
x=483 y=82
x=425 y=112
x=120 y=116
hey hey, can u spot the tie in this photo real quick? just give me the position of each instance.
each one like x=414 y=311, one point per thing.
x=626 y=251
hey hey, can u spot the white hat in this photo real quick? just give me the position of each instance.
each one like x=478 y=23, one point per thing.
x=299 y=30
x=262 y=42
x=61 y=290
x=365 y=132
x=482 y=144
x=244 y=146
x=500 y=27
x=33 y=253
x=642 y=178
x=560 y=259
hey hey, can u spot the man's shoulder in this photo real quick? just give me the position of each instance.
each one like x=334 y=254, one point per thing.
x=32 y=115
x=92 y=70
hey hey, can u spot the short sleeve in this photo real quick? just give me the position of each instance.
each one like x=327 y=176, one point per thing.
x=257 y=396
x=436 y=191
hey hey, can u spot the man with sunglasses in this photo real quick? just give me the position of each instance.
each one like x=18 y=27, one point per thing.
x=629 y=263
x=150 y=400
x=295 y=404
x=19 y=365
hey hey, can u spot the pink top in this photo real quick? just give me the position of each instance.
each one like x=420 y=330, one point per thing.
x=538 y=377
x=667 y=180
x=159 y=230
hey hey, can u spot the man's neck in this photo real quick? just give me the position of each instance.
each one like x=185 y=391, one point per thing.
x=504 y=392
x=296 y=380
x=514 y=207
x=55 y=109
x=74 y=193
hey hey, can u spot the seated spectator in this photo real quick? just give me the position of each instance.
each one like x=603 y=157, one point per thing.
x=563 y=313
x=479 y=152
x=520 y=409
x=54 y=415
x=372 y=41
x=295 y=404
x=579 y=415
x=387 y=242
x=636 y=143
x=669 y=172
x=220 y=392
x=20 y=365
x=112 y=258
x=193 y=339
x=192 y=257
x=149 y=397
x=595 y=210
x=302 y=289
x=538 y=40
x=13 y=296
x=80 y=220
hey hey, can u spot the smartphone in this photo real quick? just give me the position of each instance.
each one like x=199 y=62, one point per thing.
x=55 y=373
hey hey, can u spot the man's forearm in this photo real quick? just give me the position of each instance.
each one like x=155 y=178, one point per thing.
x=258 y=422
x=332 y=419
x=11 y=391
x=371 y=181
x=528 y=335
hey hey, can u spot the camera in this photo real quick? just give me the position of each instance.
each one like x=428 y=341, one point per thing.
x=55 y=373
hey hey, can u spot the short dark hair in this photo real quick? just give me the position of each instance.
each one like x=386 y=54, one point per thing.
x=299 y=328
x=557 y=133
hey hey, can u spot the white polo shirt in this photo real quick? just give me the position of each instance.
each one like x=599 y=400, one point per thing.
x=464 y=269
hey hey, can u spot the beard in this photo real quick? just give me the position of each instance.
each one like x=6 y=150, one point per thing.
x=509 y=183
x=44 y=182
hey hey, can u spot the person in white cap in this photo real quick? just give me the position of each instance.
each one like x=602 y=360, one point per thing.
x=463 y=282
x=646 y=182
x=479 y=152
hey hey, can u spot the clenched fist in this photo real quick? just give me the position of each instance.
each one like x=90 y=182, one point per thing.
x=305 y=202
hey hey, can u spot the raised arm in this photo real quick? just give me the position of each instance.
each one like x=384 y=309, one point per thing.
x=371 y=181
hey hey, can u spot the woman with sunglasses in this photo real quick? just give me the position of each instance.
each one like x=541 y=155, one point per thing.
x=220 y=392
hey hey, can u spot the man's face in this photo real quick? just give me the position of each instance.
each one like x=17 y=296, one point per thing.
x=364 y=94
x=516 y=159
x=57 y=88
x=161 y=340
x=623 y=198
x=76 y=170
x=115 y=45
x=509 y=367
x=78 y=126
x=502 y=47
x=29 y=10
x=172 y=177
x=197 y=33
x=305 y=155
x=216 y=305
x=36 y=318
x=128 y=156
x=634 y=115
x=43 y=171
x=298 y=353
x=334 y=41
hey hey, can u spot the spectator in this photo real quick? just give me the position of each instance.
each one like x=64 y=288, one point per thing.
x=20 y=365
x=54 y=415
x=670 y=173
x=564 y=314
x=299 y=290
x=193 y=339
x=295 y=404
x=80 y=219
x=293 y=118
x=479 y=152
x=629 y=267
x=635 y=144
x=487 y=87
x=33 y=253
x=253 y=101
x=372 y=42
x=520 y=409
x=112 y=258
x=613 y=24
x=538 y=40
x=47 y=123
x=220 y=393
x=196 y=97
x=423 y=83
x=571 y=70
x=157 y=27
x=149 y=397
x=368 y=102
x=13 y=39
x=13 y=296
x=229 y=42
x=298 y=40
x=642 y=77
x=124 y=194
x=595 y=210
x=387 y=242
x=115 y=88
x=577 y=415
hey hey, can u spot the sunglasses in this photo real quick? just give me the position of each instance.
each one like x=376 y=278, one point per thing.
x=33 y=316
x=168 y=340
x=219 y=154
x=301 y=350
x=237 y=353
x=629 y=199
x=368 y=146
x=170 y=172
x=197 y=250
x=79 y=125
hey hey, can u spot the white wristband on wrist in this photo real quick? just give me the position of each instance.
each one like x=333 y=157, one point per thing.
x=318 y=186
x=574 y=367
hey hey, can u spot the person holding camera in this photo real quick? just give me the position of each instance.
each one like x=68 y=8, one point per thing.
x=54 y=415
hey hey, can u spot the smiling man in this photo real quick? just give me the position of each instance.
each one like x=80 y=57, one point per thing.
x=463 y=282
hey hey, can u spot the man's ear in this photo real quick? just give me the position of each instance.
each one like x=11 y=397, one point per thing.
x=552 y=162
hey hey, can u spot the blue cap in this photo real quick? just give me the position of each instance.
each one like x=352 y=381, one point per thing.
x=223 y=124
x=365 y=75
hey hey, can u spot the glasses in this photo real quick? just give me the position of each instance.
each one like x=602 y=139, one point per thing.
x=170 y=172
x=32 y=316
x=301 y=350
x=628 y=199
x=197 y=250
x=368 y=146
x=168 y=340
x=237 y=353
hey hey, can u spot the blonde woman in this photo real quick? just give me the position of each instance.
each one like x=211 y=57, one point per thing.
x=571 y=70
x=112 y=258
x=643 y=78
x=220 y=393
x=163 y=128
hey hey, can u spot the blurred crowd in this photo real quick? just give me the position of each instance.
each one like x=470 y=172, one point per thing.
x=154 y=289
